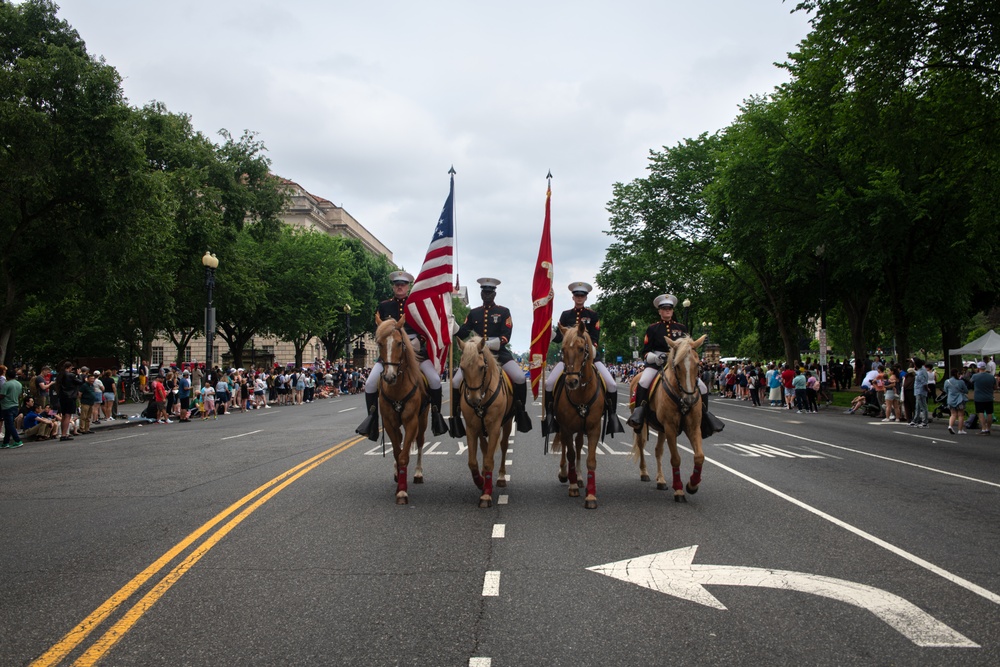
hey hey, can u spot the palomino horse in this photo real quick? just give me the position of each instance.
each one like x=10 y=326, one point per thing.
x=488 y=409
x=675 y=404
x=578 y=403
x=403 y=401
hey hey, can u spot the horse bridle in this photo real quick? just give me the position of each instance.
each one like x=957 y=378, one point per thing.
x=682 y=404
x=481 y=407
x=400 y=367
x=582 y=409
x=583 y=362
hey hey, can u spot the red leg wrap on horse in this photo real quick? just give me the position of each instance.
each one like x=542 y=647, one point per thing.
x=401 y=479
x=678 y=484
x=488 y=485
x=591 y=484
x=696 y=476
x=572 y=475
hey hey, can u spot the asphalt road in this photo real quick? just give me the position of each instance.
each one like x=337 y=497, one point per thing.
x=272 y=538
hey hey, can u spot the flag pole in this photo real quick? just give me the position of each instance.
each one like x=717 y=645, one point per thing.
x=548 y=332
x=451 y=343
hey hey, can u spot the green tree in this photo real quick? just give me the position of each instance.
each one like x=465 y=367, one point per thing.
x=71 y=171
x=308 y=276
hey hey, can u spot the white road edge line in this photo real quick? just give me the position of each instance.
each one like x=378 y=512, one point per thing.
x=347 y=409
x=876 y=456
x=124 y=437
x=242 y=434
x=941 y=572
x=491 y=584
x=925 y=437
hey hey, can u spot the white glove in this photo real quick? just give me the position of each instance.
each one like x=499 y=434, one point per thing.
x=453 y=325
x=655 y=358
x=493 y=344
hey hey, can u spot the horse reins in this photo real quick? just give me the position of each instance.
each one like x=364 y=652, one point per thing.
x=681 y=405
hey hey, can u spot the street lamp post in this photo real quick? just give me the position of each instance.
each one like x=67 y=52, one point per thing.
x=211 y=263
x=633 y=340
x=687 y=320
x=347 y=337
x=708 y=331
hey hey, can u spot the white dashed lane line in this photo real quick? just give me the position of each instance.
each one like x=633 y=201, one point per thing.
x=491 y=584
x=499 y=530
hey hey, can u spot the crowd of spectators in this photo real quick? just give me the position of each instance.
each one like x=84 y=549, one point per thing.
x=66 y=403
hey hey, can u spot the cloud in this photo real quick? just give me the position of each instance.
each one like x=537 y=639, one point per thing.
x=369 y=104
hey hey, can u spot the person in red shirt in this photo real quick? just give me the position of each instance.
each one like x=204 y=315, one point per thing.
x=787 y=375
x=160 y=397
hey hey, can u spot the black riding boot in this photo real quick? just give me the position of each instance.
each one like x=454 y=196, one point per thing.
x=520 y=414
x=709 y=423
x=438 y=425
x=611 y=409
x=455 y=426
x=549 y=425
x=638 y=415
x=369 y=426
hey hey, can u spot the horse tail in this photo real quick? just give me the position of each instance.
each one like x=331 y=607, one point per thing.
x=557 y=445
x=638 y=442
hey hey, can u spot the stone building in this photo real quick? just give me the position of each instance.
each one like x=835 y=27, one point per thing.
x=311 y=212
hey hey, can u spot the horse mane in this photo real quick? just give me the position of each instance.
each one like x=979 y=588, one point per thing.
x=682 y=342
x=574 y=332
x=471 y=347
x=382 y=332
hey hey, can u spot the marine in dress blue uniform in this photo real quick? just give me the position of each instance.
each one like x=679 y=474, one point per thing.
x=592 y=323
x=395 y=308
x=493 y=323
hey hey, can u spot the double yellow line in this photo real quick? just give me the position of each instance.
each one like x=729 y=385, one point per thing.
x=242 y=508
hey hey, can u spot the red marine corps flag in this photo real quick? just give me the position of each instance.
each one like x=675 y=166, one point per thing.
x=428 y=308
x=541 y=298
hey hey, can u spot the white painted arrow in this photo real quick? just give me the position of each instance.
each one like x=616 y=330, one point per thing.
x=674 y=573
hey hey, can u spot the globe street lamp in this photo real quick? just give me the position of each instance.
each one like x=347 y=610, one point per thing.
x=347 y=337
x=211 y=263
x=687 y=320
x=708 y=331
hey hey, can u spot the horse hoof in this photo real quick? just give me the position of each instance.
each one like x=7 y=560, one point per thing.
x=402 y=500
x=574 y=492
x=502 y=483
x=579 y=483
x=643 y=478
x=485 y=503
x=661 y=486
x=418 y=480
x=563 y=478
x=590 y=505
x=680 y=498
x=691 y=489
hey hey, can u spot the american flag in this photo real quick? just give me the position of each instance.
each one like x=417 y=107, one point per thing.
x=428 y=308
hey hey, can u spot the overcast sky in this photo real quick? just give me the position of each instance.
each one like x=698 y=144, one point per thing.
x=368 y=104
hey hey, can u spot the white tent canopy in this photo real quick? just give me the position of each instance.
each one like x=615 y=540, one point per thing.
x=988 y=343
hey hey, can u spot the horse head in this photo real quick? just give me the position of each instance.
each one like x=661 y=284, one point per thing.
x=475 y=365
x=577 y=355
x=392 y=343
x=685 y=364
